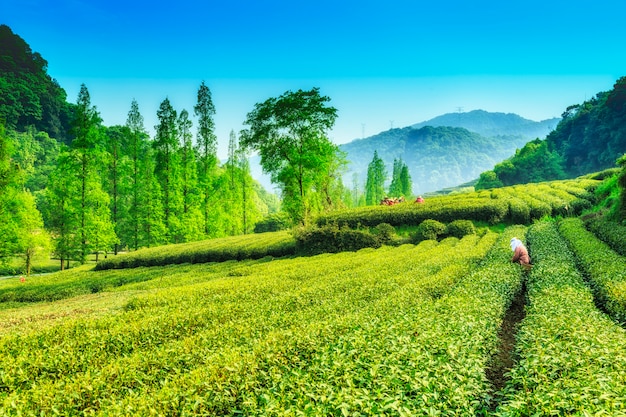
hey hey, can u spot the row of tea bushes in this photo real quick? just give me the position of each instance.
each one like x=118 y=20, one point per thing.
x=83 y=280
x=443 y=209
x=571 y=356
x=612 y=233
x=605 y=268
x=520 y=204
x=274 y=244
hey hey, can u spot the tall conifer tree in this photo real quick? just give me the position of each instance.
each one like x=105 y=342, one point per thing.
x=191 y=227
x=166 y=148
x=138 y=153
x=85 y=150
x=207 y=147
x=376 y=177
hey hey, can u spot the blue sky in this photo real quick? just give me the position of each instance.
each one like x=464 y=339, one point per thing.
x=382 y=63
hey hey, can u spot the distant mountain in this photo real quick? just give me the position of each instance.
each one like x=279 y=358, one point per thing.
x=437 y=157
x=494 y=124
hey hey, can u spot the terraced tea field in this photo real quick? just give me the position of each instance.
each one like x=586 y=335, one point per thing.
x=396 y=331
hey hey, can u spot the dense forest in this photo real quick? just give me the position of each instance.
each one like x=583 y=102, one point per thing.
x=74 y=187
x=590 y=137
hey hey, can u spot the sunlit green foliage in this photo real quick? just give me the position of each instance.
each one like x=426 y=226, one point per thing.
x=610 y=232
x=290 y=134
x=401 y=183
x=21 y=225
x=533 y=163
x=265 y=337
x=605 y=268
x=29 y=97
x=376 y=177
x=571 y=356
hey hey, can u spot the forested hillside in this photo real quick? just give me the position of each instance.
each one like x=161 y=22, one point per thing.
x=590 y=137
x=29 y=97
x=437 y=157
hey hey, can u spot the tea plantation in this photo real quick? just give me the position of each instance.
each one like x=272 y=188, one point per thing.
x=246 y=327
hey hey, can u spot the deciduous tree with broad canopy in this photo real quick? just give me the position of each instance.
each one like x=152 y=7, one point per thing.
x=290 y=134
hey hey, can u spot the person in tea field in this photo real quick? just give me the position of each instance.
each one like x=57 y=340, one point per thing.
x=520 y=253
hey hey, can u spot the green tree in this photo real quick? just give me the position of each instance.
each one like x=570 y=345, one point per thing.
x=330 y=192
x=488 y=179
x=37 y=154
x=86 y=152
x=33 y=241
x=138 y=152
x=246 y=194
x=28 y=95
x=235 y=179
x=290 y=134
x=150 y=214
x=21 y=224
x=207 y=148
x=231 y=163
x=252 y=206
x=376 y=177
x=395 y=188
x=406 y=184
x=237 y=190
x=59 y=208
x=166 y=148
x=191 y=227
x=533 y=163
x=117 y=178
x=401 y=184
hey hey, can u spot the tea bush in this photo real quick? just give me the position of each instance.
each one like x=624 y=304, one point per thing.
x=610 y=232
x=263 y=338
x=605 y=268
x=516 y=204
x=428 y=230
x=332 y=239
x=460 y=228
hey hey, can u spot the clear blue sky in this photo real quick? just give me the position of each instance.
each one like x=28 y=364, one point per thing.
x=383 y=63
